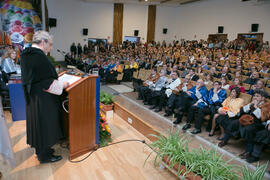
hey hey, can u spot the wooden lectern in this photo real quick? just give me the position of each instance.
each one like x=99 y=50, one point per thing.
x=83 y=107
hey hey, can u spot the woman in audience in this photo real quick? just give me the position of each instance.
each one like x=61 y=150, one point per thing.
x=208 y=79
x=230 y=107
x=224 y=82
x=237 y=83
x=213 y=71
x=9 y=61
x=199 y=71
x=238 y=74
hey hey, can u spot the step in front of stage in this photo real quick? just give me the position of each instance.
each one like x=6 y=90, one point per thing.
x=148 y=122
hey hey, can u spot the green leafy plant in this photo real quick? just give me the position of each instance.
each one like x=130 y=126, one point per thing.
x=254 y=175
x=106 y=98
x=206 y=163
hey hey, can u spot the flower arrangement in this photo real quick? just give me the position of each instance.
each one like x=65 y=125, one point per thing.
x=104 y=131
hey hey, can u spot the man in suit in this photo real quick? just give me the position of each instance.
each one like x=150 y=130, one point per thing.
x=178 y=96
x=215 y=97
x=193 y=76
x=253 y=78
x=261 y=139
x=156 y=89
x=73 y=50
x=171 y=85
x=145 y=88
x=225 y=73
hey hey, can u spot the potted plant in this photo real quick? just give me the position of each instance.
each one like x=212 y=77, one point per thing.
x=106 y=101
x=258 y=174
x=191 y=164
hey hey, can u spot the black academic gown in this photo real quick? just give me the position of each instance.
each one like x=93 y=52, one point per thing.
x=43 y=110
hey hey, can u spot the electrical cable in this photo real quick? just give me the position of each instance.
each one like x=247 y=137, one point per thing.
x=128 y=140
x=63 y=105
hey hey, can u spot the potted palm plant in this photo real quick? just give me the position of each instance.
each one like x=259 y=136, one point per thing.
x=106 y=101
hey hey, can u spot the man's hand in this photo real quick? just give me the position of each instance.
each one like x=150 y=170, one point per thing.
x=222 y=111
x=254 y=103
x=189 y=93
x=65 y=85
x=215 y=90
x=253 y=87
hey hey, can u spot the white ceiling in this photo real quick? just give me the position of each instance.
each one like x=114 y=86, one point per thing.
x=143 y=2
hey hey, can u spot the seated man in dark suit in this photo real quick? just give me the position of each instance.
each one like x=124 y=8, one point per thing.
x=224 y=72
x=156 y=89
x=253 y=78
x=171 y=84
x=258 y=86
x=178 y=96
x=193 y=76
x=261 y=139
x=146 y=86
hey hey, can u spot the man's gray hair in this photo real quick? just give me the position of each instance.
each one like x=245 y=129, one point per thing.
x=41 y=35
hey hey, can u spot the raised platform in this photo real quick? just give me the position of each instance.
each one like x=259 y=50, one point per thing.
x=120 y=161
x=148 y=122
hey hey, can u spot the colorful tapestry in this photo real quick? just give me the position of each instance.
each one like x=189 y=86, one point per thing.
x=19 y=20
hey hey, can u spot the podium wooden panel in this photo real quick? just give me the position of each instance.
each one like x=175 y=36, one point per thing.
x=82 y=116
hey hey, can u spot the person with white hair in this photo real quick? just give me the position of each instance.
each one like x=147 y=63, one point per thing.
x=42 y=90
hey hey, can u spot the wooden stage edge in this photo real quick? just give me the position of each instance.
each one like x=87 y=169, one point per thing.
x=140 y=125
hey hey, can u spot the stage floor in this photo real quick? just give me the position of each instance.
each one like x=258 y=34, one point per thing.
x=121 y=161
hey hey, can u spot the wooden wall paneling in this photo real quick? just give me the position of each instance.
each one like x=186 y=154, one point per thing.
x=118 y=23
x=151 y=26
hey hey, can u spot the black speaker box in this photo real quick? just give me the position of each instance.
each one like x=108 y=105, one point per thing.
x=220 y=29
x=165 y=30
x=52 y=22
x=254 y=27
x=85 y=31
x=136 y=32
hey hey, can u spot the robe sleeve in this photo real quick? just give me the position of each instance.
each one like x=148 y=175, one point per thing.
x=56 y=88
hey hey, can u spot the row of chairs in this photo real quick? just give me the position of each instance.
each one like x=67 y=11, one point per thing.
x=143 y=74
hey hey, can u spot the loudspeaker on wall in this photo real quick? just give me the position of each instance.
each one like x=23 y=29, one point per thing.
x=52 y=22
x=85 y=31
x=220 y=29
x=254 y=27
x=165 y=30
x=136 y=32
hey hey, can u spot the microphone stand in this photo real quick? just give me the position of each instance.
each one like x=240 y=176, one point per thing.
x=63 y=53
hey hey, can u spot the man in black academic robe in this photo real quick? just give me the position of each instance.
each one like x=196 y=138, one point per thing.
x=43 y=109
